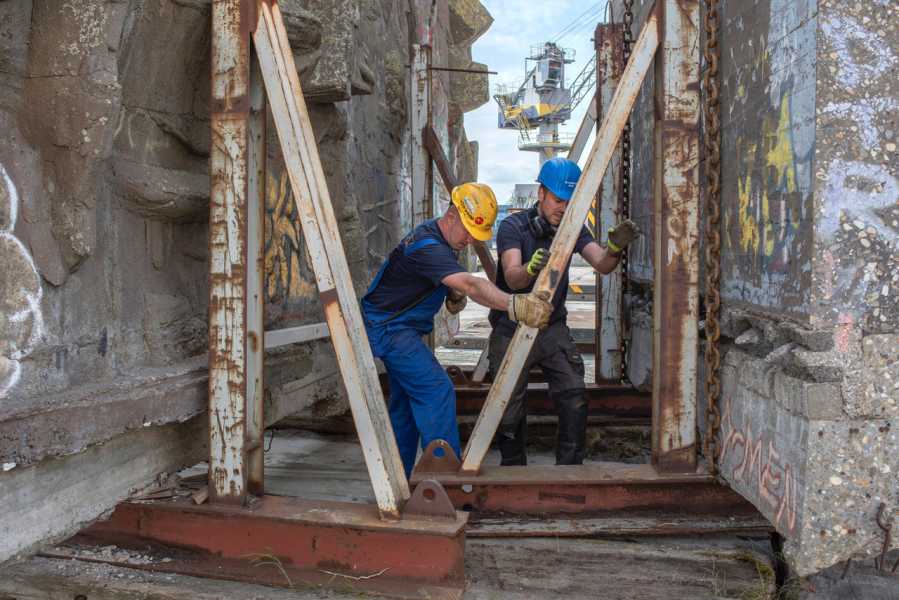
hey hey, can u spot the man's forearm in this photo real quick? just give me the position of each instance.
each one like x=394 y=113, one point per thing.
x=486 y=294
x=517 y=277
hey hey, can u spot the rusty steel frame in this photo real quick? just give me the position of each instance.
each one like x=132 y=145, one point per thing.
x=563 y=242
x=228 y=241
x=299 y=541
x=676 y=256
x=609 y=42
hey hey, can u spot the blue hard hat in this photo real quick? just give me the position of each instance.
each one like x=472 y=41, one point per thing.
x=560 y=176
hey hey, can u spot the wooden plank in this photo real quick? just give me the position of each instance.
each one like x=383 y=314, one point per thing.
x=322 y=236
x=609 y=39
x=228 y=169
x=295 y=335
x=676 y=259
x=256 y=152
x=435 y=149
x=616 y=525
x=563 y=243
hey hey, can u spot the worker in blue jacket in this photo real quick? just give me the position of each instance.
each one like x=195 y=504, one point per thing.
x=523 y=246
x=422 y=274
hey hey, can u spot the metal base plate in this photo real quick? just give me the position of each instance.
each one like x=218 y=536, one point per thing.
x=281 y=541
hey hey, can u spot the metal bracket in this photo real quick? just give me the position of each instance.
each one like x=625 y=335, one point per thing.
x=430 y=500
x=437 y=458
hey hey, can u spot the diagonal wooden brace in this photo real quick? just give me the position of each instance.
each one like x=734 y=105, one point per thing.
x=565 y=238
x=322 y=235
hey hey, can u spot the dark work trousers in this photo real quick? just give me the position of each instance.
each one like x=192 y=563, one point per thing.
x=557 y=356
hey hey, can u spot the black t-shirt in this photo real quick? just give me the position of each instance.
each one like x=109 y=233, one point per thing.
x=515 y=232
x=414 y=269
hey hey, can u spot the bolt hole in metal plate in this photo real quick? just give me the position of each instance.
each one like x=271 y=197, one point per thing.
x=430 y=500
x=438 y=457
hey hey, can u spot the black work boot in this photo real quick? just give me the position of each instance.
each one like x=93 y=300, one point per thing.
x=572 y=436
x=512 y=442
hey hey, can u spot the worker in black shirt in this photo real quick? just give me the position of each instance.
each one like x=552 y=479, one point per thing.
x=522 y=244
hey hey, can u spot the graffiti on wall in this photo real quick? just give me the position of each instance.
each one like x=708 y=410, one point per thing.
x=289 y=282
x=759 y=470
x=768 y=229
x=21 y=319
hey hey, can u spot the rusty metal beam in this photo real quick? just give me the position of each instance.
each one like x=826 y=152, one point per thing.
x=326 y=253
x=290 y=542
x=564 y=241
x=602 y=400
x=422 y=169
x=609 y=40
x=676 y=214
x=228 y=239
x=587 y=489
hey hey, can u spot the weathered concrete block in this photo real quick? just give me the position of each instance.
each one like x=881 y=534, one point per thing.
x=819 y=482
x=753 y=373
x=881 y=375
x=809 y=399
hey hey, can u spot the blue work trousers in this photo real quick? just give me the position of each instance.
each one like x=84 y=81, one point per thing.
x=422 y=398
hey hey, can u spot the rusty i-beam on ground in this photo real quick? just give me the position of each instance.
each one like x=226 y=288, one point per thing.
x=676 y=219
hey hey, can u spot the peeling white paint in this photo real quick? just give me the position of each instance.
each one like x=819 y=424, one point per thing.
x=21 y=318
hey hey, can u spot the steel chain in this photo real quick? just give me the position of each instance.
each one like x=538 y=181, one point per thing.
x=713 y=235
x=625 y=198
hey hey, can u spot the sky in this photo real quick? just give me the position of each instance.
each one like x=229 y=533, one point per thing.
x=517 y=26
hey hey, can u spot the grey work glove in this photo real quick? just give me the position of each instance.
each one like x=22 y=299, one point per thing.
x=531 y=309
x=455 y=302
x=622 y=235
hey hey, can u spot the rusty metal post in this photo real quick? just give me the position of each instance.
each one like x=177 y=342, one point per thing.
x=228 y=168
x=255 y=276
x=676 y=214
x=609 y=40
x=422 y=169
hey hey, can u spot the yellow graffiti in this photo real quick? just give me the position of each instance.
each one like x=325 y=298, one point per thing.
x=283 y=250
x=749 y=235
x=775 y=178
x=781 y=156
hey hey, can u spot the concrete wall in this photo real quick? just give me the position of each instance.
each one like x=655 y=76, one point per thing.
x=104 y=193
x=809 y=256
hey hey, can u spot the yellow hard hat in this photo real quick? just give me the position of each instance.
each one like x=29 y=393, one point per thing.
x=477 y=205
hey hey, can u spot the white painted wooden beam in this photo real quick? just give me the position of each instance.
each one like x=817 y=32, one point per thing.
x=295 y=335
x=322 y=236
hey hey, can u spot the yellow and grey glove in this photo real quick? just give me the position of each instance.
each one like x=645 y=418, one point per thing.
x=531 y=309
x=455 y=302
x=622 y=235
x=539 y=259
